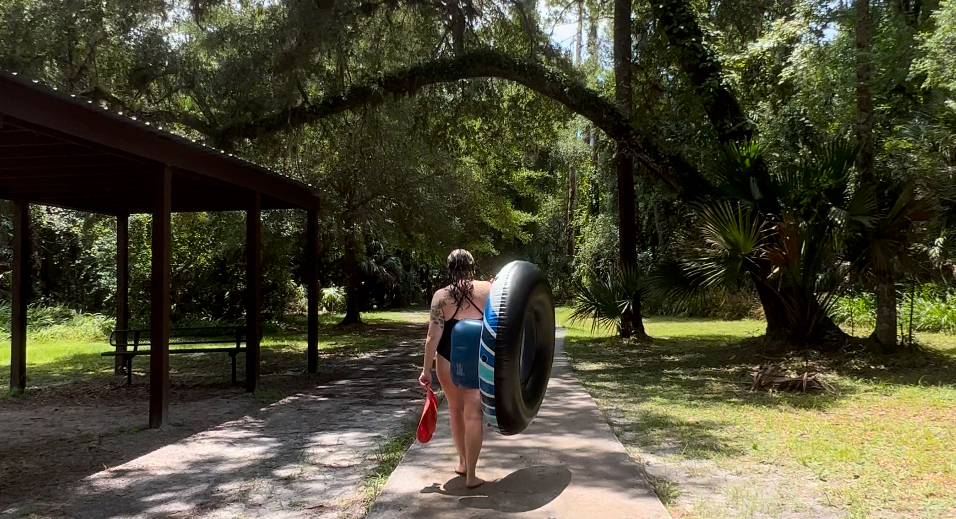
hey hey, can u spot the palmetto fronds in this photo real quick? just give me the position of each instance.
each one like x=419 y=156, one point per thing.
x=881 y=242
x=604 y=301
x=597 y=302
x=735 y=235
x=782 y=227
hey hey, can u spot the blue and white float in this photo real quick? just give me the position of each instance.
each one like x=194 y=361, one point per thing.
x=508 y=355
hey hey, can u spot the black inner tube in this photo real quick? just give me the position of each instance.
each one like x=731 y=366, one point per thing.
x=528 y=341
x=524 y=346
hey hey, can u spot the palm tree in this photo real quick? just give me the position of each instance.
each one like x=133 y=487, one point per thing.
x=785 y=228
x=880 y=250
x=607 y=301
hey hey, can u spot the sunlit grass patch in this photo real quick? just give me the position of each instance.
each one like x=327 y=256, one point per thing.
x=883 y=446
x=62 y=360
x=390 y=453
x=670 y=327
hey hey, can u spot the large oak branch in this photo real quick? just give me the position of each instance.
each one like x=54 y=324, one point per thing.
x=673 y=170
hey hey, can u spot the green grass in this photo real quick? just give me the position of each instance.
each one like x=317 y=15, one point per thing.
x=390 y=453
x=667 y=327
x=883 y=446
x=59 y=359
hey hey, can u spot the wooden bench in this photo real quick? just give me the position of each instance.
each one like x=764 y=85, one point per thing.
x=178 y=337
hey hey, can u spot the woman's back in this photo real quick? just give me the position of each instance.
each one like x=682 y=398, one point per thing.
x=472 y=306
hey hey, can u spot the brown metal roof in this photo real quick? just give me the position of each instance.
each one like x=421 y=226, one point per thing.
x=61 y=151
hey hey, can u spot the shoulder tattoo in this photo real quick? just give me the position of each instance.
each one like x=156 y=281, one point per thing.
x=437 y=316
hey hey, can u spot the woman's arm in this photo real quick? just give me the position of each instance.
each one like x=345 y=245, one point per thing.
x=436 y=325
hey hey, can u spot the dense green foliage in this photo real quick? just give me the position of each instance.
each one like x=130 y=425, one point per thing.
x=360 y=100
x=47 y=323
x=933 y=309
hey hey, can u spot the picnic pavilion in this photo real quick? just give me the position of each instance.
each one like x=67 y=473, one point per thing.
x=60 y=151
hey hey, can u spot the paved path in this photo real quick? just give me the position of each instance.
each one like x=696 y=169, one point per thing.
x=567 y=464
x=304 y=456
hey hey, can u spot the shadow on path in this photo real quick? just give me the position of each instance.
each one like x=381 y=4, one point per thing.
x=566 y=464
x=521 y=491
x=302 y=455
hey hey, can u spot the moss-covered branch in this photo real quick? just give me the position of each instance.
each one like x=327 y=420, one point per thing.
x=675 y=172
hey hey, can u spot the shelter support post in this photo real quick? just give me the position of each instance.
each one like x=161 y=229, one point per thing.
x=21 y=295
x=253 y=290
x=312 y=285
x=159 y=301
x=122 y=287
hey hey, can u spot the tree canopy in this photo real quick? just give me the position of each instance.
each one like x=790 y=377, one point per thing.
x=429 y=125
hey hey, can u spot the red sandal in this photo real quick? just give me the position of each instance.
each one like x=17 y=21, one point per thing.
x=426 y=426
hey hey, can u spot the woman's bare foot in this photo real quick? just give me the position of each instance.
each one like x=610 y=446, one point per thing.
x=461 y=469
x=475 y=483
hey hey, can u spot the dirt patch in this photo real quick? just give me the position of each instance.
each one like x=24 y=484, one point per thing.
x=708 y=488
x=301 y=447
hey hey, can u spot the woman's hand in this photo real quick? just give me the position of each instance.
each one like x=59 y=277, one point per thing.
x=425 y=379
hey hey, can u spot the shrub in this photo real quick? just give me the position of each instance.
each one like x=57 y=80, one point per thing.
x=51 y=323
x=934 y=309
x=333 y=299
x=603 y=301
x=715 y=303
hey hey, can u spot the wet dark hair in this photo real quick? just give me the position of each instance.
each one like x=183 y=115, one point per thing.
x=461 y=268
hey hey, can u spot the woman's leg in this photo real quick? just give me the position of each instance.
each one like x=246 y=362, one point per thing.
x=474 y=430
x=456 y=410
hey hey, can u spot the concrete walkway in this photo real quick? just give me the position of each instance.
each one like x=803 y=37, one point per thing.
x=303 y=457
x=567 y=464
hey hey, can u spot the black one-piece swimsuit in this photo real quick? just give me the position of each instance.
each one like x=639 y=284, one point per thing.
x=444 y=344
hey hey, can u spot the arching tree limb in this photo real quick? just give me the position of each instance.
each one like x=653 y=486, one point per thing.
x=671 y=169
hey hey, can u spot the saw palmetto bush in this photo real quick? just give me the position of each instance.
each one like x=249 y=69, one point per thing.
x=604 y=300
x=785 y=228
x=333 y=299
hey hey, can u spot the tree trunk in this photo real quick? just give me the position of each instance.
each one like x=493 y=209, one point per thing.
x=791 y=331
x=592 y=45
x=458 y=29
x=592 y=48
x=864 y=96
x=579 y=35
x=572 y=196
x=572 y=173
x=885 y=288
x=353 y=282
x=631 y=323
x=660 y=232
x=775 y=313
x=886 y=318
x=679 y=23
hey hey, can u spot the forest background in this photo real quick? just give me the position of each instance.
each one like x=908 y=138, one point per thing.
x=792 y=160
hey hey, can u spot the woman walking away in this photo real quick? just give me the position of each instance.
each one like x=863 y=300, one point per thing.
x=463 y=299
